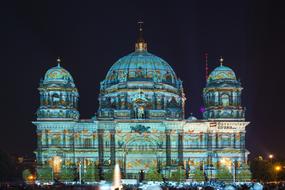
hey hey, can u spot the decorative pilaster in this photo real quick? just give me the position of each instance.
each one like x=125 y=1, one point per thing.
x=47 y=138
x=168 y=149
x=101 y=146
x=234 y=140
x=217 y=140
x=242 y=146
x=180 y=148
x=113 y=147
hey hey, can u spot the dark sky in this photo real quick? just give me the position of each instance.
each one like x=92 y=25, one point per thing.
x=91 y=35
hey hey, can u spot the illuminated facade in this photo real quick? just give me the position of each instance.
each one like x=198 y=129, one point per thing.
x=140 y=123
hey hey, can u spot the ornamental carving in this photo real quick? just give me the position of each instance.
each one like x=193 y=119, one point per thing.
x=140 y=129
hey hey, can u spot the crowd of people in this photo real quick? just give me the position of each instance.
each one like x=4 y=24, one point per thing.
x=191 y=186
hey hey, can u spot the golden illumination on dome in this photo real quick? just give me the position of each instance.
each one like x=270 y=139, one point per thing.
x=141 y=46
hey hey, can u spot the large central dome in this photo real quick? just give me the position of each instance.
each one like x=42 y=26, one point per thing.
x=141 y=85
x=141 y=66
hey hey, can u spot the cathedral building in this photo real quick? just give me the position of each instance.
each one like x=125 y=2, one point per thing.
x=140 y=124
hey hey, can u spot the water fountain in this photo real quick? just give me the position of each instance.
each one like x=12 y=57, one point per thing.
x=117 y=185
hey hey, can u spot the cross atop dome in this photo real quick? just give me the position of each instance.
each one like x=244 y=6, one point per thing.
x=141 y=45
x=221 y=60
x=58 y=60
x=140 y=23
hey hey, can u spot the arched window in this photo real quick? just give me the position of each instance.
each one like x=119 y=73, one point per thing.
x=87 y=142
x=55 y=99
x=225 y=140
x=55 y=141
x=225 y=100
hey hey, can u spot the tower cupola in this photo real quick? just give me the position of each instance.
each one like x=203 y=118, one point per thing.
x=58 y=95
x=222 y=94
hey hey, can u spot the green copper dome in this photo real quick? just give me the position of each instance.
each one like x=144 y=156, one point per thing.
x=222 y=73
x=57 y=74
x=141 y=85
x=141 y=66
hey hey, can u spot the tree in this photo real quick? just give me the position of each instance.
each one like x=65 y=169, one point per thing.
x=224 y=174
x=198 y=175
x=67 y=174
x=108 y=175
x=243 y=175
x=44 y=173
x=92 y=174
x=153 y=175
x=262 y=170
x=178 y=175
x=25 y=174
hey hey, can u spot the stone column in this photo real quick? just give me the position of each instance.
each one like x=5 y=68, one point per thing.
x=168 y=148
x=213 y=135
x=101 y=146
x=242 y=145
x=41 y=98
x=65 y=132
x=205 y=139
x=39 y=139
x=234 y=140
x=201 y=138
x=113 y=147
x=43 y=141
x=94 y=139
x=242 y=140
x=217 y=140
x=49 y=99
x=47 y=138
x=61 y=137
x=237 y=140
x=231 y=140
x=209 y=141
x=74 y=100
x=180 y=148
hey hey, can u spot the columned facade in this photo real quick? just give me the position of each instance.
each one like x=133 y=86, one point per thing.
x=140 y=124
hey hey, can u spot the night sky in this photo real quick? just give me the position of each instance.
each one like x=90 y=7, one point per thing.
x=91 y=35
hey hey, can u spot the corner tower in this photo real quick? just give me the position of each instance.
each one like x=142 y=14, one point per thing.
x=141 y=85
x=222 y=95
x=58 y=95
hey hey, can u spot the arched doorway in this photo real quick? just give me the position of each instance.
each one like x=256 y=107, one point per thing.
x=140 y=154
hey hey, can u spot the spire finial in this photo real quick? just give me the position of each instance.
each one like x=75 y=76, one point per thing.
x=221 y=60
x=58 y=60
x=140 y=23
x=206 y=66
x=141 y=44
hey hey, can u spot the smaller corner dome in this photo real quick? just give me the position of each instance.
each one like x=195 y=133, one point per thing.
x=222 y=73
x=57 y=74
